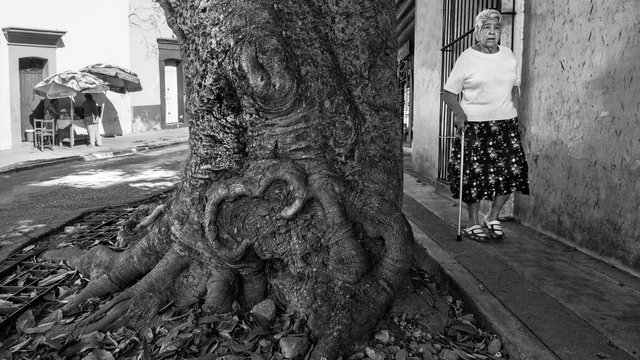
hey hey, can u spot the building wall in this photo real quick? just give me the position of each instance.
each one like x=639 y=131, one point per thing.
x=10 y=122
x=147 y=25
x=96 y=31
x=426 y=87
x=581 y=94
x=580 y=91
x=5 y=113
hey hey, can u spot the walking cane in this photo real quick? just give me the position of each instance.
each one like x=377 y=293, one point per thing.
x=459 y=237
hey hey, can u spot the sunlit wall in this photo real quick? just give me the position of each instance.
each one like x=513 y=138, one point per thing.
x=147 y=24
x=96 y=31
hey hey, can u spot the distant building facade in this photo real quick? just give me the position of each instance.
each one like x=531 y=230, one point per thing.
x=155 y=55
x=41 y=38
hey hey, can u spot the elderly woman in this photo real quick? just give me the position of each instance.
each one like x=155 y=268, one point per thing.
x=494 y=161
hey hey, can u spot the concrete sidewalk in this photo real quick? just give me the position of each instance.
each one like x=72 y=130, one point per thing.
x=545 y=299
x=27 y=156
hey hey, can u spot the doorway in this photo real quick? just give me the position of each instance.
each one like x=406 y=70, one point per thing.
x=171 y=92
x=31 y=73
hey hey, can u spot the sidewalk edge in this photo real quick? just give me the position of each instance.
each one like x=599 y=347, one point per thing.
x=518 y=340
x=89 y=157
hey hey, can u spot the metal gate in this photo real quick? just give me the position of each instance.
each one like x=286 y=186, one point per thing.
x=457 y=36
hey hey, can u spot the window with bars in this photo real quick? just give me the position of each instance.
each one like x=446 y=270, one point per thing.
x=457 y=36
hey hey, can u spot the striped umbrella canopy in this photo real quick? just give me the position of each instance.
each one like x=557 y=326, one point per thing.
x=68 y=84
x=120 y=80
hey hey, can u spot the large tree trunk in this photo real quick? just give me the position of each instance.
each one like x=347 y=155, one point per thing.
x=292 y=189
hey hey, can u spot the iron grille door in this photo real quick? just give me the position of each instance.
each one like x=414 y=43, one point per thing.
x=457 y=36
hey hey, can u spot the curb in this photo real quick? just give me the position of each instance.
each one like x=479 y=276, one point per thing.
x=28 y=165
x=518 y=341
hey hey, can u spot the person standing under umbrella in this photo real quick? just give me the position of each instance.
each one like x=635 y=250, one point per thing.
x=91 y=120
x=52 y=110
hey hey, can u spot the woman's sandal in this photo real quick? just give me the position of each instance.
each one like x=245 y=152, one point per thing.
x=476 y=233
x=495 y=229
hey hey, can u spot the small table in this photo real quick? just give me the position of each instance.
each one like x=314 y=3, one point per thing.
x=77 y=126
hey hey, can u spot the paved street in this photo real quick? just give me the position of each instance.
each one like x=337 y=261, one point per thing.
x=49 y=196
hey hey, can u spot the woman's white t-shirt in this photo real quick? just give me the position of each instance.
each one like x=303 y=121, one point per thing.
x=486 y=81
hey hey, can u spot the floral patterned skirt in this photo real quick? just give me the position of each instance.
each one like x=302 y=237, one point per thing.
x=494 y=161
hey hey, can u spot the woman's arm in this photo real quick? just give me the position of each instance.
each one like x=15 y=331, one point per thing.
x=451 y=99
x=515 y=97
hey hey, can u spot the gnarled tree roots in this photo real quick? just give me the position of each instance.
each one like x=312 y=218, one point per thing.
x=284 y=229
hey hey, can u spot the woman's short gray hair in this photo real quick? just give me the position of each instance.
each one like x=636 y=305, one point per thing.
x=485 y=15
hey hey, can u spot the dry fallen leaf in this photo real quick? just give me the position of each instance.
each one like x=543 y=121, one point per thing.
x=54 y=278
x=25 y=321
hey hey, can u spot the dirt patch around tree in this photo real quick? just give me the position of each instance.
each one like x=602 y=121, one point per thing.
x=425 y=322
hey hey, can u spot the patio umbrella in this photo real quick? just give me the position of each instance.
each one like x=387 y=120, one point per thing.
x=68 y=84
x=120 y=79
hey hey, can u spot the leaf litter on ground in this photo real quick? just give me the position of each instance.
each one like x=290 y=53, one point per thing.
x=425 y=323
x=408 y=331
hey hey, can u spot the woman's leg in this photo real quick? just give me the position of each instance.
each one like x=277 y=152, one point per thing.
x=472 y=211
x=474 y=229
x=496 y=206
x=491 y=221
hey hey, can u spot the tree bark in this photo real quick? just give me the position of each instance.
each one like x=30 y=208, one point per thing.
x=293 y=185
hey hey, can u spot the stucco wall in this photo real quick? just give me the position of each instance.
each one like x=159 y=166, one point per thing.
x=426 y=87
x=581 y=92
x=5 y=112
x=96 y=31
x=147 y=24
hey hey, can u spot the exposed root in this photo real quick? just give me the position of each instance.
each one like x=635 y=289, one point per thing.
x=105 y=316
x=253 y=280
x=125 y=268
x=222 y=290
x=94 y=262
x=347 y=257
x=374 y=294
x=142 y=217
x=96 y=288
x=254 y=183
x=156 y=282
x=359 y=288
x=381 y=218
